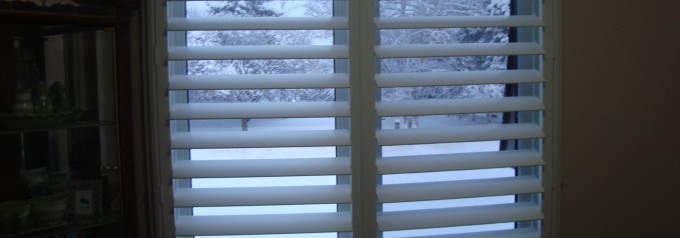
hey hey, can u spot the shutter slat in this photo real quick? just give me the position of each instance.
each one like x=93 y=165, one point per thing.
x=458 y=189
x=258 y=110
x=458 y=78
x=457 y=22
x=260 y=167
x=459 y=134
x=461 y=216
x=258 y=139
x=257 y=23
x=452 y=50
x=211 y=197
x=262 y=224
x=257 y=52
x=458 y=106
x=459 y=161
x=258 y=81
x=514 y=233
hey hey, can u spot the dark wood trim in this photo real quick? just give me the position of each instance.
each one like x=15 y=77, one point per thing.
x=119 y=13
x=130 y=118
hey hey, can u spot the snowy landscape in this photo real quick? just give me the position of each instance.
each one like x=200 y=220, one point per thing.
x=314 y=8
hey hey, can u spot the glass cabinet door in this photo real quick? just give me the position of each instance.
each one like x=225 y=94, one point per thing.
x=59 y=154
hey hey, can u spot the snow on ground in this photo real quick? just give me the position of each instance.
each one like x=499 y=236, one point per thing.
x=314 y=152
x=325 y=152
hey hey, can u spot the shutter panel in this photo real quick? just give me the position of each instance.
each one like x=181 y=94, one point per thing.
x=427 y=190
x=213 y=179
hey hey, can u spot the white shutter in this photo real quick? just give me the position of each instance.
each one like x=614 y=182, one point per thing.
x=193 y=171
x=439 y=195
x=379 y=184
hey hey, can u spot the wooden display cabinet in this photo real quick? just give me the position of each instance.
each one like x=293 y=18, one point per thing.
x=86 y=140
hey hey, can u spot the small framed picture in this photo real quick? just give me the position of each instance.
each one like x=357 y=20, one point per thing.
x=84 y=201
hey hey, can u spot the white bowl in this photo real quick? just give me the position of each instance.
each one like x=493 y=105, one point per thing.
x=48 y=210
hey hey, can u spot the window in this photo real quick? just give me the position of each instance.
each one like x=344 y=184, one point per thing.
x=344 y=118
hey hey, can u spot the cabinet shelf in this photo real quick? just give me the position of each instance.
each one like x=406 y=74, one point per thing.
x=61 y=229
x=64 y=126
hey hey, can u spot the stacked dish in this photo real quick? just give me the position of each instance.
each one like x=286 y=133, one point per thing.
x=48 y=210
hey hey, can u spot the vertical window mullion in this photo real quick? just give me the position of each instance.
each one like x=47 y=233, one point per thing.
x=528 y=62
x=178 y=38
x=549 y=37
x=340 y=37
x=361 y=17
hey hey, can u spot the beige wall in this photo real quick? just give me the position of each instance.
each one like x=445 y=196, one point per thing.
x=621 y=100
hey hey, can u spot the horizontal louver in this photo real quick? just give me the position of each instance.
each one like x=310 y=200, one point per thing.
x=262 y=224
x=458 y=106
x=460 y=216
x=514 y=233
x=387 y=80
x=258 y=139
x=461 y=134
x=259 y=110
x=257 y=52
x=457 y=22
x=459 y=161
x=458 y=189
x=260 y=168
x=452 y=50
x=210 y=197
x=261 y=81
x=259 y=23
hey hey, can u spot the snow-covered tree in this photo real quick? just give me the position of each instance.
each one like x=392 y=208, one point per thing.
x=388 y=8
x=254 y=8
x=244 y=8
x=402 y=8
